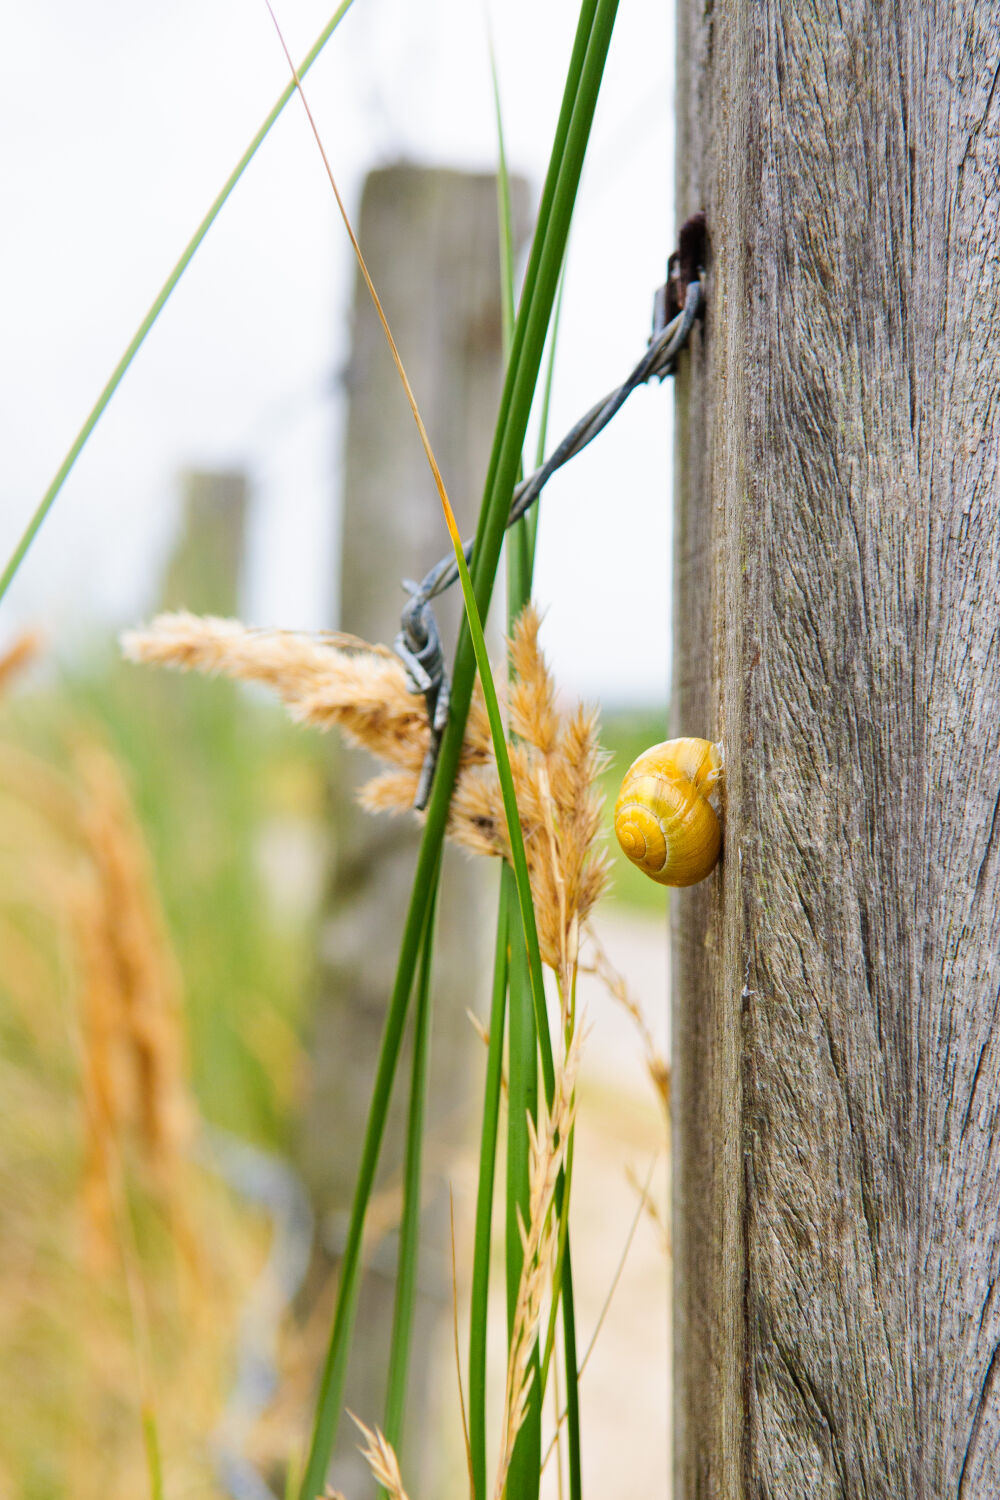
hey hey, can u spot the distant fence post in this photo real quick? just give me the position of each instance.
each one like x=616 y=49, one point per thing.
x=206 y=566
x=431 y=242
x=836 y=1032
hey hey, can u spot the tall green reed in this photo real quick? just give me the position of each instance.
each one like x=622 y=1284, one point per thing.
x=524 y=1035
x=584 y=75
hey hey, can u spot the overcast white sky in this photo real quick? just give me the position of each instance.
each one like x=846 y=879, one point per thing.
x=118 y=124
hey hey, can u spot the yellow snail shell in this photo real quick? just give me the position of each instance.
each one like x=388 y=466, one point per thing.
x=663 y=818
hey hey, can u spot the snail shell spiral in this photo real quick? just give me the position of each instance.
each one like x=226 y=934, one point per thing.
x=663 y=819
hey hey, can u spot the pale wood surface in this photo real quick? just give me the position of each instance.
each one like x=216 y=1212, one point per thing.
x=836 y=1043
x=430 y=238
x=205 y=570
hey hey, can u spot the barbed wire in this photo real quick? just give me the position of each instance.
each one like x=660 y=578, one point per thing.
x=418 y=643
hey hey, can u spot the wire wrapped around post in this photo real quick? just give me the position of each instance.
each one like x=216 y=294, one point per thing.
x=418 y=643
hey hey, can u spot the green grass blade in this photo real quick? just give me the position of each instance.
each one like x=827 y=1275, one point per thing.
x=409 y=1237
x=545 y=261
x=523 y=1479
x=528 y=1029
x=519 y=555
x=160 y=301
x=151 y=1442
x=550 y=1336
x=535 y=308
x=526 y=530
x=519 y=859
x=484 y=1196
x=579 y=100
x=586 y=69
x=518 y=391
x=504 y=217
x=291 y=1480
x=548 y=246
x=550 y=366
x=332 y=1382
x=572 y=1378
x=521 y=562
x=579 y=125
x=527 y=1040
x=524 y=1474
x=525 y=1466
x=520 y=570
x=520 y=566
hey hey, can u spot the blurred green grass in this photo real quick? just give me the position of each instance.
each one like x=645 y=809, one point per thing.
x=213 y=770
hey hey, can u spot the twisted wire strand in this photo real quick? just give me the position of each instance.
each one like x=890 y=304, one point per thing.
x=418 y=643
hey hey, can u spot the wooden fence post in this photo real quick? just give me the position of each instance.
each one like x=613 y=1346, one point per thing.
x=836 y=1041
x=205 y=569
x=430 y=239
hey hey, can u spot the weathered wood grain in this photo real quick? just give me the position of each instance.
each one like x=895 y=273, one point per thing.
x=836 y=1033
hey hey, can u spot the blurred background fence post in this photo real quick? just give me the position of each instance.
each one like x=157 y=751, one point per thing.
x=431 y=242
x=206 y=567
x=836 y=1049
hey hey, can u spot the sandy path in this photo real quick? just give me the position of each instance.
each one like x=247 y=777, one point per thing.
x=625 y=1388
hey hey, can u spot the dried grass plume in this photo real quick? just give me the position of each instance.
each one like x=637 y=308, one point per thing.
x=539 y=1242
x=380 y=1457
x=336 y=680
x=18 y=655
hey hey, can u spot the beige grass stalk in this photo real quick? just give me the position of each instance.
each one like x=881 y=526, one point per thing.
x=131 y=999
x=646 y=1205
x=338 y=681
x=88 y=860
x=18 y=655
x=539 y=1241
x=380 y=1457
x=328 y=681
x=555 y=762
x=40 y=790
x=83 y=940
x=458 y=1355
x=449 y=514
x=652 y=1210
x=483 y=1033
x=656 y=1064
